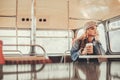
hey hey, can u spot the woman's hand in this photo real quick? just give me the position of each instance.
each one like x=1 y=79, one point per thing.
x=84 y=52
x=89 y=48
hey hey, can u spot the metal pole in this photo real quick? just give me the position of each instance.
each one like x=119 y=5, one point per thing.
x=33 y=28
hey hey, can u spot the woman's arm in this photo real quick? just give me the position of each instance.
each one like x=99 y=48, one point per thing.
x=75 y=50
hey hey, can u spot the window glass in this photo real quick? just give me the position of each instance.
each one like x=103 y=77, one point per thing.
x=12 y=37
x=114 y=25
x=102 y=38
x=54 y=41
x=115 y=70
x=114 y=34
x=80 y=32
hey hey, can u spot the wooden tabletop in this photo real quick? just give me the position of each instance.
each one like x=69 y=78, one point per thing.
x=26 y=60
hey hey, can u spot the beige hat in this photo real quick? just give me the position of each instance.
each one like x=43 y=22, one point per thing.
x=90 y=24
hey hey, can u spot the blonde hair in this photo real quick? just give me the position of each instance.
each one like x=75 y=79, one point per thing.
x=84 y=36
x=89 y=24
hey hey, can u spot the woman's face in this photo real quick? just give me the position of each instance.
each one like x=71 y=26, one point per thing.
x=92 y=31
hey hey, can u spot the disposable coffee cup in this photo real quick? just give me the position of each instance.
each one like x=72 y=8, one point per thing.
x=89 y=48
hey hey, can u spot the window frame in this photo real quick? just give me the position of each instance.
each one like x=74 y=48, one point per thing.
x=117 y=18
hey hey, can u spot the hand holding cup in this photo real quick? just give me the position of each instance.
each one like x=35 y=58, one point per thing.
x=89 y=48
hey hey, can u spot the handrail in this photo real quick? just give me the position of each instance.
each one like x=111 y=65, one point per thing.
x=28 y=45
x=63 y=57
x=14 y=51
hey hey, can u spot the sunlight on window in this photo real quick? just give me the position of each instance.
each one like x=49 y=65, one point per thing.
x=114 y=36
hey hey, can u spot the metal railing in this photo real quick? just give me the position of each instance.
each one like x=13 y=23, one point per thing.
x=63 y=58
x=44 y=52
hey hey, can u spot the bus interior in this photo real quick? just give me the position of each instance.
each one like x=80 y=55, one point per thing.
x=36 y=38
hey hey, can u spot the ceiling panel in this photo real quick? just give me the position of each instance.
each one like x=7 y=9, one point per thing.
x=55 y=12
x=7 y=22
x=24 y=13
x=7 y=7
x=81 y=11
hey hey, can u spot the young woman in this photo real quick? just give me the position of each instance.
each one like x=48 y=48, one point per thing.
x=87 y=44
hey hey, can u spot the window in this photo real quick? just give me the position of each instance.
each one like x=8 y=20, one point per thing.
x=11 y=36
x=114 y=70
x=102 y=38
x=54 y=41
x=114 y=34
